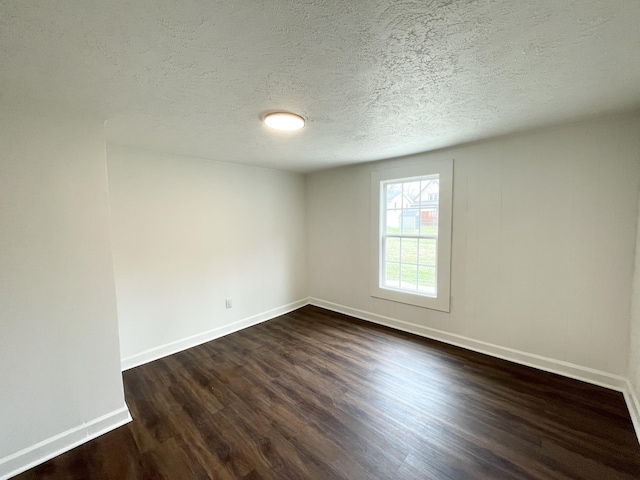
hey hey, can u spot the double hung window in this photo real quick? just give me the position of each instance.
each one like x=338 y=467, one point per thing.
x=412 y=234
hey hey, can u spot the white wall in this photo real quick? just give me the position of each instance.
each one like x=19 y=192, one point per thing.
x=189 y=233
x=544 y=228
x=59 y=352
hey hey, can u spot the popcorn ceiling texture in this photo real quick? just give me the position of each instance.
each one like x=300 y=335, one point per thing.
x=375 y=79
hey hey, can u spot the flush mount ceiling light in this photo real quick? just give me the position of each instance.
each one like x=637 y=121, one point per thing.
x=284 y=121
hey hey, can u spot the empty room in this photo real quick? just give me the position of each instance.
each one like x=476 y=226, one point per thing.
x=319 y=239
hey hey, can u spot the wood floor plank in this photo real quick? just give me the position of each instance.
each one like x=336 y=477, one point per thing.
x=319 y=395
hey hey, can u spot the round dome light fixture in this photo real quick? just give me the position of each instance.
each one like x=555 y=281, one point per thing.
x=284 y=121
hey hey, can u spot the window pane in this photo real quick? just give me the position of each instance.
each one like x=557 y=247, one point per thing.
x=408 y=277
x=393 y=195
x=392 y=275
x=411 y=191
x=410 y=221
x=427 y=251
x=427 y=279
x=393 y=221
x=393 y=250
x=429 y=221
x=429 y=189
x=433 y=216
x=409 y=250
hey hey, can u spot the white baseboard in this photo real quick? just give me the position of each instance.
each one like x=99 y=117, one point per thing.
x=578 y=372
x=58 y=444
x=585 y=374
x=195 y=340
x=633 y=405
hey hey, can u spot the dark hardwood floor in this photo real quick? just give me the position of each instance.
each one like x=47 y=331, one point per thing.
x=314 y=394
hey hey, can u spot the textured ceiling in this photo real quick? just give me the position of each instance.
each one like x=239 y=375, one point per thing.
x=375 y=79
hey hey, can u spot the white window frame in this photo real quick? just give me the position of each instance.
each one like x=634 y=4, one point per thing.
x=444 y=168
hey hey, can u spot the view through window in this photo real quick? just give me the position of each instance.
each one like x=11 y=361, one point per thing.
x=410 y=234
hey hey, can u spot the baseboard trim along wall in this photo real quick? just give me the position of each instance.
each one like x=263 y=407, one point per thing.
x=585 y=374
x=566 y=369
x=633 y=404
x=195 y=340
x=63 y=442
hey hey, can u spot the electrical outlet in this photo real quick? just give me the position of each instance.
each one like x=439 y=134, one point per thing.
x=228 y=303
